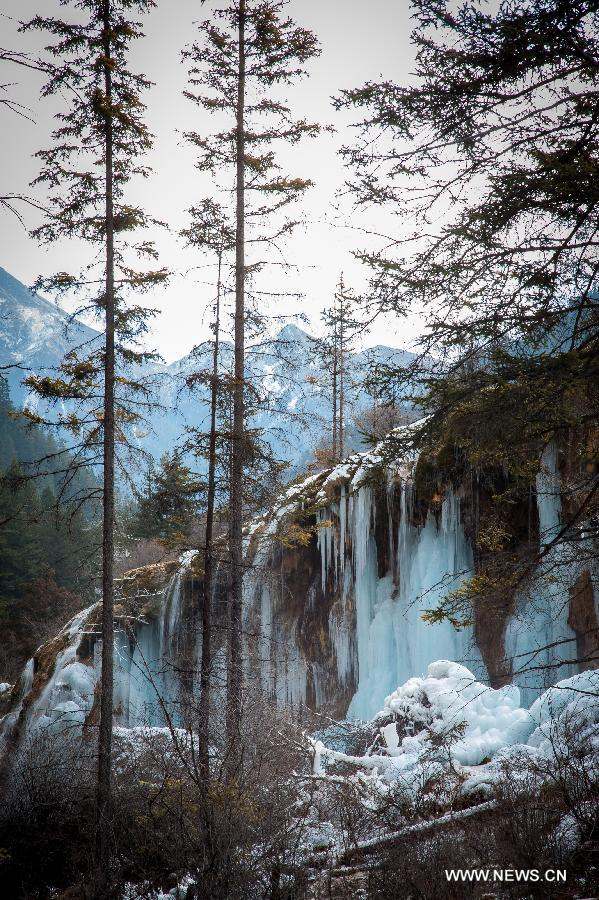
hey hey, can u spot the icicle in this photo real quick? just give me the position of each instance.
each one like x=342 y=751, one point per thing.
x=365 y=589
x=342 y=527
x=538 y=635
x=393 y=641
x=266 y=639
x=320 y=538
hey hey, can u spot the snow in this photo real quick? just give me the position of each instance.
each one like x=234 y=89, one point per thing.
x=575 y=695
x=145 y=892
x=570 y=707
x=450 y=695
x=485 y=730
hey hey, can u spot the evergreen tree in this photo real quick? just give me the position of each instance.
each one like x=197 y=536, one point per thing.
x=495 y=142
x=246 y=51
x=20 y=551
x=387 y=409
x=169 y=508
x=45 y=462
x=46 y=565
x=332 y=349
x=209 y=231
x=48 y=541
x=97 y=150
x=46 y=557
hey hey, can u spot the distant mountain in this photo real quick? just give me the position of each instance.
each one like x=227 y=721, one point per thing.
x=34 y=333
x=284 y=371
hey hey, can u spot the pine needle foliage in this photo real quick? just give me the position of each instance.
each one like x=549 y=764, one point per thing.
x=247 y=53
x=97 y=150
x=488 y=161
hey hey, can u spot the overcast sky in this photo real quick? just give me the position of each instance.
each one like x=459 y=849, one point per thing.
x=359 y=41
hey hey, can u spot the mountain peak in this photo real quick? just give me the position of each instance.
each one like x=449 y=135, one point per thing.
x=292 y=332
x=13 y=290
x=34 y=332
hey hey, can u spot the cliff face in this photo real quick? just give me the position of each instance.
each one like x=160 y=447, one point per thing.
x=376 y=558
x=335 y=592
x=348 y=571
x=339 y=576
x=584 y=621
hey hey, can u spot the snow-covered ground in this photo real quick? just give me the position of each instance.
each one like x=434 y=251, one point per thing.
x=446 y=725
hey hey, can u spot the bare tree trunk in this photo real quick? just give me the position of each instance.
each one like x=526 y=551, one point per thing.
x=103 y=798
x=341 y=374
x=335 y=368
x=234 y=682
x=204 y=703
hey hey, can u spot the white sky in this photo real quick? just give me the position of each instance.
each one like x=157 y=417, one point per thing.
x=360 y=41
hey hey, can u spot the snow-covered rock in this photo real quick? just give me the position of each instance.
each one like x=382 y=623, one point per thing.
x=451 y=696
x=485 y=730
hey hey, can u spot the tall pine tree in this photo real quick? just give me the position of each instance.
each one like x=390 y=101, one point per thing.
x=332 y=351
x=246 y=52
x=97 y=149
x=210 y=231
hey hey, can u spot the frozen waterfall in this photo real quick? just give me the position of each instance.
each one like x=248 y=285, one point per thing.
x=393 y=642
x=335 y=622
x=538 y=637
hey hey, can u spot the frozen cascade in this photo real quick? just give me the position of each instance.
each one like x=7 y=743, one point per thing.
x=341 y=628
x=393 y=642
x=538 y=635
x=430 y=561
x=144 y=675
x=144 y=671
x=25 y=682
x=65 y=699
x=376 y=637
x=282 y=670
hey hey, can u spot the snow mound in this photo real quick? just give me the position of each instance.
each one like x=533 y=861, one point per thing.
x=569 y=708
x=450 y=696
x=448 y=722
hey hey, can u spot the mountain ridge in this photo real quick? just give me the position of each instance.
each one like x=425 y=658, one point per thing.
x=35 y=334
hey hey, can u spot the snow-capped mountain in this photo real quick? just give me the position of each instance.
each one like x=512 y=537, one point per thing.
x=284 y=372
x=34 y=334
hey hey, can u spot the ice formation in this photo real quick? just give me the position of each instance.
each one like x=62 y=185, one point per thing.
x=145 y=677
x=377 y=633
x=144 y=680
x=373 y=636
x=538 y=637
x=483 y=728
x=393 y=640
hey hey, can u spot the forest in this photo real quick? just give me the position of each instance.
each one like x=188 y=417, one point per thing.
x=299 y=450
